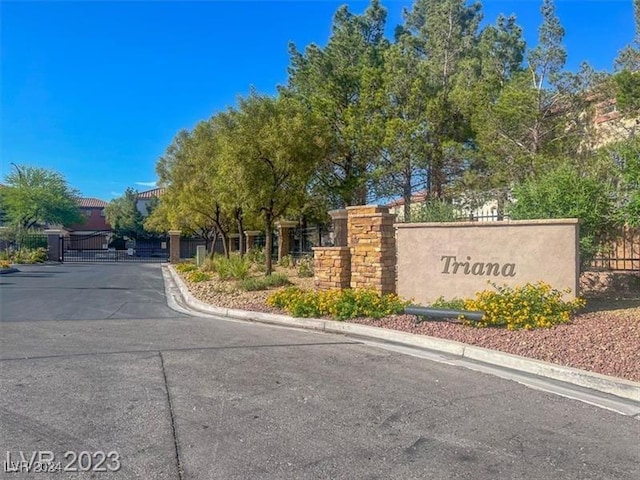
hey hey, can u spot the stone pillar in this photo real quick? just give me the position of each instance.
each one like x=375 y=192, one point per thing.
x=371 y=238
x=232 y=242
x=332 y=268
x=174 y=246
x=339 y=223
x=251 y=238
x=54 y=244
x=284 y=243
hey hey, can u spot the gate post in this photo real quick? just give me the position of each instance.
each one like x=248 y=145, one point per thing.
x=284 y=242
x=54 y=245
x=339 y=223
x=372 y=242
x=174 y=246
x=251 y=238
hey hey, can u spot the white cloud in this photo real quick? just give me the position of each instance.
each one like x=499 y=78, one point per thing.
x=147 y=184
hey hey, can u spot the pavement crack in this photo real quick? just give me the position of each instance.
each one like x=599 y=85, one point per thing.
x=185 y=349
x=173 y=422
x=117 y=310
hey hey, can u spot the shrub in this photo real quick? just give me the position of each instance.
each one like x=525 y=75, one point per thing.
x=434 y=210
x=568 y=192
x=264 y=283
x=28 y=255
x=4 y=264
x=196 y=276
x=235 y=267
x=338 y=304
x=286 y=261
x=453 y=304
x=186 y=267
x=256 y=256
x=208 y=265
x=305 y=266
x=530 y=306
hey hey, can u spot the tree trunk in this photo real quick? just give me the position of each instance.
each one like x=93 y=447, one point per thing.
x=240 y=224
x=501 y=202
x=268 y=245
x=214 y=242
x=406 y=195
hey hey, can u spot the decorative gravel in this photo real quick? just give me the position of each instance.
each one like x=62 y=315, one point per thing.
x=605 y=341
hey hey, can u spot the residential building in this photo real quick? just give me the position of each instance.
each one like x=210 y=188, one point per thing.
x=92 y=211
x=145 y=198
x=92 y=234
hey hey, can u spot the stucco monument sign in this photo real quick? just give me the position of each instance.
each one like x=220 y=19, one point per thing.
x=459 y=259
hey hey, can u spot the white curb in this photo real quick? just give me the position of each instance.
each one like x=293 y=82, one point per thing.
x=606 y=384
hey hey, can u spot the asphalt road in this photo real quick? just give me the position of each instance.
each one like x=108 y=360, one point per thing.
x=93 y=360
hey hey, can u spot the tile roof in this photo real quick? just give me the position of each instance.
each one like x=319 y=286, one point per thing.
x=156 y=192
x=91 y=203
x=415 y=198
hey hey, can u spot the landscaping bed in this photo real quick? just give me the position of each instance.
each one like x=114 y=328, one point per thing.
x=604 y=338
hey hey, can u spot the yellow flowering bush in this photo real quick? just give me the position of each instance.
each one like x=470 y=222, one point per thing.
x=524 y=307
x=338 y=304
x=186 y=267
x=4 y=264
x=196 y=276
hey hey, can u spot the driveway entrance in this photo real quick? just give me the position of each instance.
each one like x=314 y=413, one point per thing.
x=93 y=248
x=84 y=292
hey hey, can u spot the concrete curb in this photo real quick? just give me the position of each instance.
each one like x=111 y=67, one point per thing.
x=602 y=383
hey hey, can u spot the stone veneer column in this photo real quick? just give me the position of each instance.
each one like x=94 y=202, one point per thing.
x=284 y=242
x=251 y=238
x=174 y=246
x=371 y=238
x=332 y=268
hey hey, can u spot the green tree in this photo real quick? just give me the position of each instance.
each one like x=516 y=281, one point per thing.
x=274 y=147
x=124 y=217
x=566 y=192
x=35 y=197
x=629 y=57
x=330 y=81
x=447 y=33
x=188 y=171
x=624 y=156
x=628 y=92
x=536 y=117
x=398 y=101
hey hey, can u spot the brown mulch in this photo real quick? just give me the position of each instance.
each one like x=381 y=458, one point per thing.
x=605 y=338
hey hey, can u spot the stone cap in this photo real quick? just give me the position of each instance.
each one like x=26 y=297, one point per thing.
x=499 y=223
x=338 y=214
x=367 y=209
x=252 y=233
x=54 y=231
x=286 y=223
x=175 y=232
x=234 y=235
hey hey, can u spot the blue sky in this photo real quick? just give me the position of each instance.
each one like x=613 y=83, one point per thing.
x=97 y=90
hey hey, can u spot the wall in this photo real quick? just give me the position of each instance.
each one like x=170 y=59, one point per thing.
x=94 y=220
x=458 y=259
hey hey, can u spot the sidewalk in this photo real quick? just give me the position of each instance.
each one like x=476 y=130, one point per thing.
x=466 y=354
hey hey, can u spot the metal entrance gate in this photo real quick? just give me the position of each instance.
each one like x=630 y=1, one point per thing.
x=94 y=248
